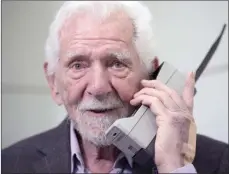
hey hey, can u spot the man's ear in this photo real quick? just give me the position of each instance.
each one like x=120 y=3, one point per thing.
x=51 y=79
x=155 y=63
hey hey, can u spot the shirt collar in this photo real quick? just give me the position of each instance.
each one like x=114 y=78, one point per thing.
x=75 y=149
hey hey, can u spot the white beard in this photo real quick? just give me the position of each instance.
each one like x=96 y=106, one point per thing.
x=95 y=134
x=92 y=128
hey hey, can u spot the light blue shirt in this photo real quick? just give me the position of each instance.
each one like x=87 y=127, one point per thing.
x=123 y=164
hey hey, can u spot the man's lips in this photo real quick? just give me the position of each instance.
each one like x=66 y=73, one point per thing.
x=100 y=110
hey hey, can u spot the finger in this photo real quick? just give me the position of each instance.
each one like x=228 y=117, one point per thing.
x=188 y=93
x=153 y=103
x=156 y=84
x=162 y=96
x=162 y=87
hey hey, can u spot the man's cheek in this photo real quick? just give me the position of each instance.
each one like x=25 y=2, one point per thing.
x=71 y=93
x=72 y=96
x=127 y=90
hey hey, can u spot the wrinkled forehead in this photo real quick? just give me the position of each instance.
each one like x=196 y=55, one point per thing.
x=117 y=26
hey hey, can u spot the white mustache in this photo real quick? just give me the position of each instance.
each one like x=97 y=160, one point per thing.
x=94 y=104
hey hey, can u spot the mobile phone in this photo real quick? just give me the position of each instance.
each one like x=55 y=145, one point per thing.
x=135 y=135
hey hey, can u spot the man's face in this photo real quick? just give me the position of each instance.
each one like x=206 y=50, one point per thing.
x=98 y=72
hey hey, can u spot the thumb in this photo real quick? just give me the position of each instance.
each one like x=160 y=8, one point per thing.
x=188 y=93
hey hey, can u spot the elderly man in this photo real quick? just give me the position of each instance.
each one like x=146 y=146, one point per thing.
x=98 y=61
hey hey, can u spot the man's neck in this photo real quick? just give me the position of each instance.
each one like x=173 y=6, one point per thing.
x=98 y=159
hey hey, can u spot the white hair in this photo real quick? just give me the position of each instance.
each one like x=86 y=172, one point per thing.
x=138 y=13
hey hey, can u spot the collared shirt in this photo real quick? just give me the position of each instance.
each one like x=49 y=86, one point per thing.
x=123 y=164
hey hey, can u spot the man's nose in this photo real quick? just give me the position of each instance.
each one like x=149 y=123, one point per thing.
x=99 y=83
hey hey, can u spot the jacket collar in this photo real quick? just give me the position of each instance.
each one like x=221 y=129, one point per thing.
x=55 y=151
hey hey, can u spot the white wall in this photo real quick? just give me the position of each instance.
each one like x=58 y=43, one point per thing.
x=184 y=32
x=27 y=107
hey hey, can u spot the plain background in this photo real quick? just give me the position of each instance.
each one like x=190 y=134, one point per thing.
x=184 y=31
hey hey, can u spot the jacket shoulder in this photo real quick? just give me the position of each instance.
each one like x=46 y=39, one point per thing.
x=210 y=155
x=21 y=155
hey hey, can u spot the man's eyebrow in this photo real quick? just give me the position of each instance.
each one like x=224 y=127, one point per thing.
x=74 y=55
x=121 y=55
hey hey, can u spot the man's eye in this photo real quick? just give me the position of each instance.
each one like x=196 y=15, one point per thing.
x=78 y=65
x=118 y=65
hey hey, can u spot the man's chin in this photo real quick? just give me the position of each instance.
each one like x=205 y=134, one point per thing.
x=102 y=143
x=93 y=135
x=98 y=140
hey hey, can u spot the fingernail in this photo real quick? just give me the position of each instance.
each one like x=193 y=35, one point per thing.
x=192 y=74
x=143 y=81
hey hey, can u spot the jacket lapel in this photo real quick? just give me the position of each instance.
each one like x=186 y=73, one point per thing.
x=55 y=151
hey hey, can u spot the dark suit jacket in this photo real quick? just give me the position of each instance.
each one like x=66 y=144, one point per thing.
x=49 y=152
